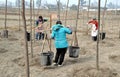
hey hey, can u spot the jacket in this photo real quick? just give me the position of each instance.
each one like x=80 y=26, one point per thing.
x=94 y=22
x=59 y=35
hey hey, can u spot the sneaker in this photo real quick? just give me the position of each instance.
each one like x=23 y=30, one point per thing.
x=60 y=65
x=54 y=64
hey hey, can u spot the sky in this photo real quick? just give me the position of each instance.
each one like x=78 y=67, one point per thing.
x=70 y=1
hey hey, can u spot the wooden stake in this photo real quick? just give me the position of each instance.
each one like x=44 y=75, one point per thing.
x=25 y=40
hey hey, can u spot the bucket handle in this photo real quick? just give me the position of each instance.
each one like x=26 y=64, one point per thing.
x=44 y=42
x=74 y=41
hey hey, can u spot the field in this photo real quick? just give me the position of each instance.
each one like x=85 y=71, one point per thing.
x=12 y=50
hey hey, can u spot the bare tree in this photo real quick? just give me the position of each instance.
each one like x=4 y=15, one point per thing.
x=31 y=27
x=38 y=3
x=6 y=15
x=58 y=4
x=66 y=12
x=5 y=31
x=34 y=20
x=103 y=16
x=25 y=40
x=17 y=3
x=97 y=51
x=82 y=2
x=19 y=13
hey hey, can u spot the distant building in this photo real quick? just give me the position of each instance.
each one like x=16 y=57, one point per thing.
x=91 y=8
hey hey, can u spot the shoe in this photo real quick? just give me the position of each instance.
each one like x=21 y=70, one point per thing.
x=54 y=64
x=60 y=65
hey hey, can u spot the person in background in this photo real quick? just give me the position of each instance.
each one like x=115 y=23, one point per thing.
x=39 y=30
x=39 y=26
x=94 y=30
x=40 y=19
x=61 y=44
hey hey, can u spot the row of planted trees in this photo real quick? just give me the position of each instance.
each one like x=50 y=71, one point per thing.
x=22 y=13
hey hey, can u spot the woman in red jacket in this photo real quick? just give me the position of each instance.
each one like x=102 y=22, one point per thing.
x=94 y=30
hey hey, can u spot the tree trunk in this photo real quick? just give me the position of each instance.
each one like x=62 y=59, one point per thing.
x=66 y=13
x=25 y=40
x=58 y=3
x=34 y=21
x=97 y=51
x=4 y=33
x=103 y=17
x=75 y=33
x=31 y=27
x=19 y=17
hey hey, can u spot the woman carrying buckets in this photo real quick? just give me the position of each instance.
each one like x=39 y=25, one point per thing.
x=94 y=31
x=61 y=44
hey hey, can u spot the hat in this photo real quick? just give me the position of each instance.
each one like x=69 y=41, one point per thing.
x=59 y=22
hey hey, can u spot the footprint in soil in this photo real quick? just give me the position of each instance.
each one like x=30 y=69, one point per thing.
x=2 y=50
x=21 y=61
x=115 y=58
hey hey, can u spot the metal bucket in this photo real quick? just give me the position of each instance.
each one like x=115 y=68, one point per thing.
x=102 y=35
x=4 y=33
x=74 y=51
x=28 y=36
x=46 y=58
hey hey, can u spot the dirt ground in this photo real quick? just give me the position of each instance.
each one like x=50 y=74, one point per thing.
x=12 y=52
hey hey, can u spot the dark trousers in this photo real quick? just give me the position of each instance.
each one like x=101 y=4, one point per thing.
x=39 y=35
x=94 y=38
x=60 y=54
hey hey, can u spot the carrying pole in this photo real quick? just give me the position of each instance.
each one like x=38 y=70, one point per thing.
x=25 y=40
x=97 y=51
x=50 y=30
